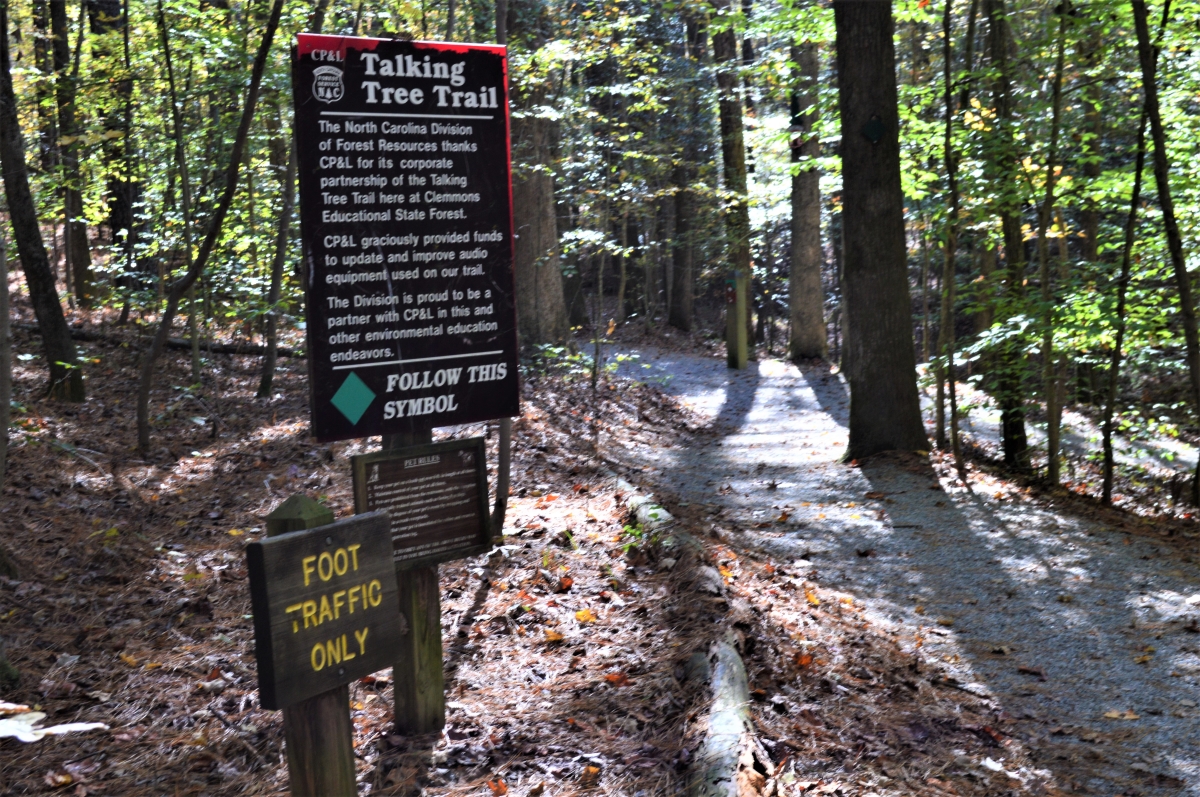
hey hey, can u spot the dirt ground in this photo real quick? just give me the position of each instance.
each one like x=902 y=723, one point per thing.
x=568 y=650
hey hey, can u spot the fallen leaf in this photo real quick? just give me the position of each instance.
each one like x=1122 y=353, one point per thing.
x=585 y=616
x=498 y=786
x=130 y=660
x=875 y=495
x=783 y=517
x=1038 y=671
x=811 y=597
x=589 y=777
x=553 y=636
x=803 y=659
x=56 y=780
x=1121 y=715
x=618 y=679
x=538 y=790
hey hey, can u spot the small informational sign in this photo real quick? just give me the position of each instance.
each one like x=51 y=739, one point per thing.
x=406 y=225
x=435 y=496
x=324 y=603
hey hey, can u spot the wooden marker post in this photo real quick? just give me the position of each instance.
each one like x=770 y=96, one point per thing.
x=418 y=682
x=736 y=288
x=322 y=617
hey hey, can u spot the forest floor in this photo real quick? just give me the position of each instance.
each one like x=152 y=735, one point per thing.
x=903 y=636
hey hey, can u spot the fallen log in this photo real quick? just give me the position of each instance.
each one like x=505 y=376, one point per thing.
x=174 y=343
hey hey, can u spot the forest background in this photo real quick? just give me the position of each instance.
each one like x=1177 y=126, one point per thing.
x=657 y=148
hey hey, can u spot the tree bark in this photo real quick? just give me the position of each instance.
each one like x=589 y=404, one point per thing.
x=806 y=296
x=733 y=153
x=1009 y=388
x=681 y=312
x=1148 y=56
x=1114 y=366
x=282 y=235
x=75 y=240
x=884 y=408
x=541 y=306
x=948 y=268
x=1050 y=375
x=66 y=377
x=181 y=285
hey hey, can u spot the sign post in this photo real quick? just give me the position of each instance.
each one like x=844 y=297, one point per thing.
x=322 y=595
x=736 y=288
x=406 y=224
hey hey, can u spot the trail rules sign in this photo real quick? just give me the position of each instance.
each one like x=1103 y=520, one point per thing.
x=406 y=223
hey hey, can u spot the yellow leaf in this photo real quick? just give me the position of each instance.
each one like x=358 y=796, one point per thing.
x=612 y=325
x=153 y=665
x=553 y=636
x=1142 y=659
x=130 y=660
x=811 y=597
x=856 y=517
x=236 y=532
x=585 y=616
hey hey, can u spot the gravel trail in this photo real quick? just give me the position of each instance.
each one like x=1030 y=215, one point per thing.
x=1061 y=619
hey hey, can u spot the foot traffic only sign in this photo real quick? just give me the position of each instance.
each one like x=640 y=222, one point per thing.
x=406 y=223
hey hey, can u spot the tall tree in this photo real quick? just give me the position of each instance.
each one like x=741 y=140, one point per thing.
x=733 y=156
x=541 y=305
x=75 y=240
x=880 y=360
x=806 y=297
x=1009 y=368
x=66 y=377
x=681 y=311
x=1148 y=56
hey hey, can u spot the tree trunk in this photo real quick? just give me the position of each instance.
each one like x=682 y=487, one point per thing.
x=683 y=252
x=948 y=269
x=181 y=285
x=1050 y=376
x=44 y=61
x=1148 y=55
x=75 y=240
x=282 y=236
x=733 y=155
x=884 y=408
x=1114 y=366
x=1009 y=387
x=66 y=378
x=806 y=297
x=541 y=308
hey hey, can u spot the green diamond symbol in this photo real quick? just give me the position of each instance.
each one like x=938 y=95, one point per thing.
x=353 y=398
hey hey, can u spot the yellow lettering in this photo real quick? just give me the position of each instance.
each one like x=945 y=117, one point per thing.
x=353 y=549
x=306 y=566
x=341 y=562
x=310 y=613
x=339 y=600
x=375 y=592
x=333 y=652
x=325 y=566
x=325 y=611
x=352 y=596
x=312 y=657
x=295 y=607
x=361 y=636
x=346 y=654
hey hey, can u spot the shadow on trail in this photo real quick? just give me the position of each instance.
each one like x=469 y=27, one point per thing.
x=1082 y=633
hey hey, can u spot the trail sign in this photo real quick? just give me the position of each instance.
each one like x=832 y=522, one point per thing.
x=406 y=225
x=435 y=496
x=324 y=603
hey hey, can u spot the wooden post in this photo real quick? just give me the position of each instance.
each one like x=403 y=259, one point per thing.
x=418 y=682
x=318 y=732
x=736 y=288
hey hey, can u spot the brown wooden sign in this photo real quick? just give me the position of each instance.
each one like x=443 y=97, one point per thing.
x=435 y=495
x=325 y=608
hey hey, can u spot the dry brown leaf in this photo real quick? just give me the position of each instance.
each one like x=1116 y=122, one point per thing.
x=1121 y=715
x=498 y=786
x=589 y=777
x=130 y=660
